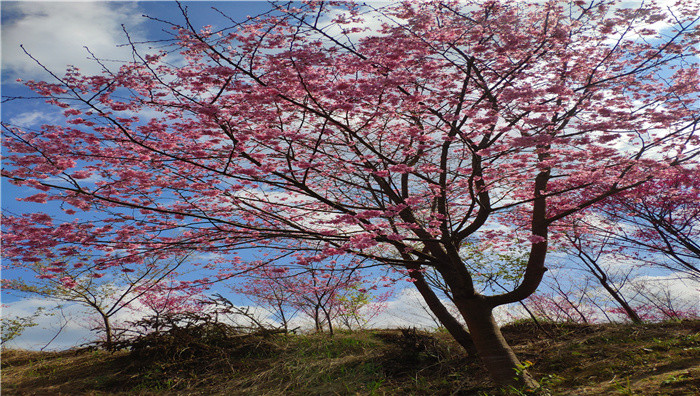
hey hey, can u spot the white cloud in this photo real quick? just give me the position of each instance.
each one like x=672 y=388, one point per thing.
x=56 y=33
x=676 y=287
x=30 y=119
x=67 y=325
x=408 y=309
x=372 y=21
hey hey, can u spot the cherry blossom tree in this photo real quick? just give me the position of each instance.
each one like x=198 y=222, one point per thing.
x=654 y=226
x=661 y=218
x=309 y=133
x=587 y=247
x=570 y=303
x=163 y=302
x=271 y=291
x=656 y=300
x=318 y=295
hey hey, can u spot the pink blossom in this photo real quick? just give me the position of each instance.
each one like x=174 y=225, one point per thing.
x=37 y=198
x=535 y=239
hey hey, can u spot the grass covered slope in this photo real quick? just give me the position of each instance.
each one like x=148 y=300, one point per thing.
x=650 y=359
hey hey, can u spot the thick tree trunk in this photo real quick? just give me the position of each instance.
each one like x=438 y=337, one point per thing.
x=503 y=366
x=452 y=325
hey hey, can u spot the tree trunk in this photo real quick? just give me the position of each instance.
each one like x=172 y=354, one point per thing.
x=328 y=320
x=317 y=320
x=283 y=318
x=623 y=303
x=602 y=276
x=108 y=333
x=534 y=319
x=503 y=366
x=452 y=325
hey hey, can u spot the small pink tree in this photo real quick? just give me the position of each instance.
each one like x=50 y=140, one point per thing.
x=322 y=292
x=571 y=304
x=655 y=300
x=270 y=289
x=170 y=297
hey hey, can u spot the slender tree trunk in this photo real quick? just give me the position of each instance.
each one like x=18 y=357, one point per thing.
x=108 y=333
x=283 y=318
x=317 y=320
x=631 y=313
x=573 y=306
x=534 y=318
x=452 y=325
x=327 y=314
x=503 y=366
x=602 y=276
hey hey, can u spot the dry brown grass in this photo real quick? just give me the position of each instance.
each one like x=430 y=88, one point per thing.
x=653 y=359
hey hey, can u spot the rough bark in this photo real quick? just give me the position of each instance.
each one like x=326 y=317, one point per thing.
x=499 y=359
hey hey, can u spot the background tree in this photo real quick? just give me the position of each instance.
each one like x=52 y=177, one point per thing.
x=656 y=301
x=660 y=221
x=323 y=292
x=587 y=250
x=13 y=327
x=454 y=122
x=271 y=291
x=358 y=306
x=162 y=304
x=105 y=293
x=563 y=301
x=652 y=227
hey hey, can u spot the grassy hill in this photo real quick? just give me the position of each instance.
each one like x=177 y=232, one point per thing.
x=650 y=359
